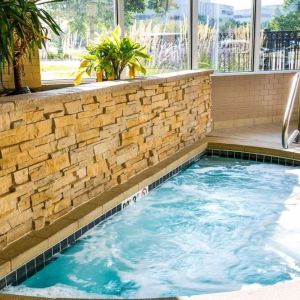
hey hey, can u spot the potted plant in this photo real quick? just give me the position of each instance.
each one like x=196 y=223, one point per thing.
x=24 y=26
x=109 y=58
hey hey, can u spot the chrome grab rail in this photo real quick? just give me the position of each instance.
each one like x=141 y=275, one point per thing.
x=286 y=139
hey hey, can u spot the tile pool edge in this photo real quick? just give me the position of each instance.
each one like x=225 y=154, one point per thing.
x=32 y=257
x=258 y=157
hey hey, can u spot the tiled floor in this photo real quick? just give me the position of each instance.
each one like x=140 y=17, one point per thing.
x=267 y=135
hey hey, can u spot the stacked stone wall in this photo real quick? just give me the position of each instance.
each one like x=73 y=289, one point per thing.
x=61 y=148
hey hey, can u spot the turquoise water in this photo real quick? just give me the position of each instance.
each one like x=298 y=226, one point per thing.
x=221 y=225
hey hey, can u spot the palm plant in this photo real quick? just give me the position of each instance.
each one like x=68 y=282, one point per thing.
x=109 y=58
x=24 y=26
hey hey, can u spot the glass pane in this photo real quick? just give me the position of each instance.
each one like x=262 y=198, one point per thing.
x=224 y=35
x=163 y=27
x=82 y=22
x=280 y=35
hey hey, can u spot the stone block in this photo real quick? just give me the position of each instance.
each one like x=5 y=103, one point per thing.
x=21 y=176
x=34 y=116
x=90 y=113
x=106 y=145
x=107 y=119
x=19 y=231
x=5 y=184
x=62 y=205
x=86 y=135
x=66 y=142
x=65 y=121
x=90 y=107
x=24 y=203
x=159 y=97
x=4 y=227
x=73 y=107
x=4 y=121
x=15 y=220
x=97 y=168
x=126 y=153
x=39 y=223
x=81 y=154
x=50 y=167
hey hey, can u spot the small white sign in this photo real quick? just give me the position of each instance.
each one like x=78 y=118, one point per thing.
x=135 y=197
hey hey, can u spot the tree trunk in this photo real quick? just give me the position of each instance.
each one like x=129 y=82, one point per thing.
x=18 y=75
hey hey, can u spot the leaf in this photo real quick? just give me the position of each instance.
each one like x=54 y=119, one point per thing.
x=23 y=29
x=118 y=31
x=84 y=64
x=78 y=78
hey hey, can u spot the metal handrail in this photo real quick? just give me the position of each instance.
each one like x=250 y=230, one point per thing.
x=286 y=139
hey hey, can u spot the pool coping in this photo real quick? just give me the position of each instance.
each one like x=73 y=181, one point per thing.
x=28 y=255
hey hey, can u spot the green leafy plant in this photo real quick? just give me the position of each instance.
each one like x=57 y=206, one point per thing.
x=24 y=26
x=109 y=58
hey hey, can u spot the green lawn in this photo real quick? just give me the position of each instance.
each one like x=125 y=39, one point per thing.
x=56 y=69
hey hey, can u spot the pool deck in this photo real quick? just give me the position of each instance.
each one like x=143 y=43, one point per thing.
x=265 y=136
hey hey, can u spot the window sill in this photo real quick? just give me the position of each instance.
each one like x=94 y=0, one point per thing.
x=219 y=74
x=61 y=83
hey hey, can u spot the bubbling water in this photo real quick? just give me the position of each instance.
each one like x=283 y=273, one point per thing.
x=220 y=225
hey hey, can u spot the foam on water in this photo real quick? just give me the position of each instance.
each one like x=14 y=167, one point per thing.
x=221 y=225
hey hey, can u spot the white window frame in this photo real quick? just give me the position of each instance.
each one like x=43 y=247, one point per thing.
x=120 y=14
x=193 y=34
x=194 y=7
x=256 y=32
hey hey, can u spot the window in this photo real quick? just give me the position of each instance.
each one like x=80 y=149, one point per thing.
x=82 y=22
x=280 y=35
x=162 y=26
x=225 y=35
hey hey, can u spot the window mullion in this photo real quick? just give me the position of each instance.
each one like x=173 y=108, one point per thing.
x=256 y=19
x=119 y=14
x=194 y=34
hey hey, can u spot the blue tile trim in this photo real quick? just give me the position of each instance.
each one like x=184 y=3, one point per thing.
x=39 y=262
x=253 y=156
x=179 y=169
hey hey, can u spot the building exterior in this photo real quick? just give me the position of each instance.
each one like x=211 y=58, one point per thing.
x=211 y=13
x=267 y=12
x=214 y=12
x=208 y=11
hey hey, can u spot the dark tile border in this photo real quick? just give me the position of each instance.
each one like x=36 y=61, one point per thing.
x=258 y=157
x=175 y=171
x=38 y=263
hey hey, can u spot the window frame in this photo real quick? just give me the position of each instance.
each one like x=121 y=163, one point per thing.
x=119 y=17
x=193 y=34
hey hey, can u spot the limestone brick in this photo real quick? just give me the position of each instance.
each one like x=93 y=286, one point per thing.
x=73 y=107
x=59 y=151
x=21 y=176
x=5 y=184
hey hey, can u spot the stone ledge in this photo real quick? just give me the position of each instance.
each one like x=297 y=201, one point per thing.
x=70 y=93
